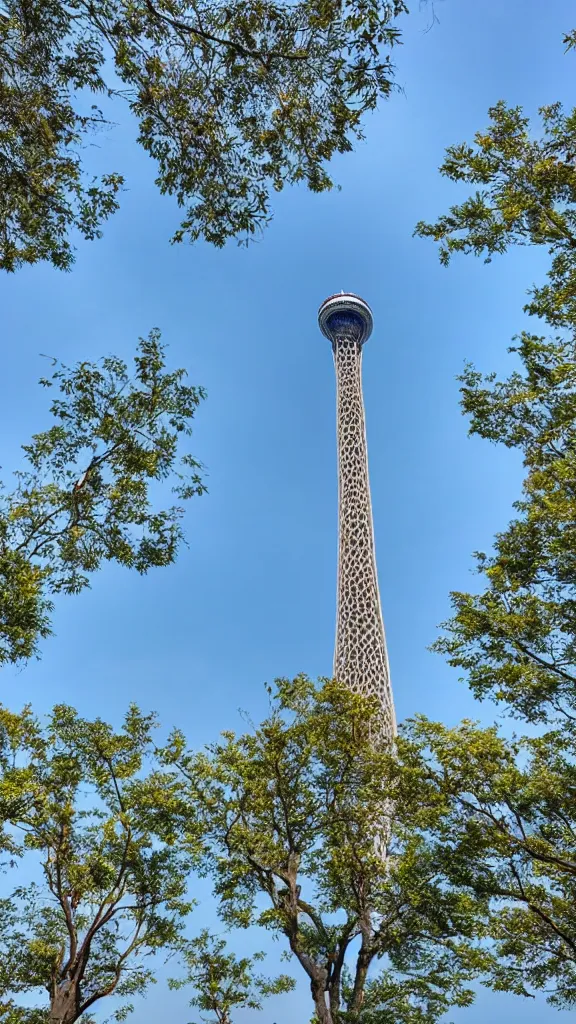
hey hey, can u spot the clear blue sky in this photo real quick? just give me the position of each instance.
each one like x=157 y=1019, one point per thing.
x=253 y=596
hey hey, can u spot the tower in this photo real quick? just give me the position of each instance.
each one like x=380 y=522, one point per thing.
x=360 y=656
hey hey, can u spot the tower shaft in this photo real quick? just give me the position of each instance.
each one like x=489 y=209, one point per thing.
x=360 y=657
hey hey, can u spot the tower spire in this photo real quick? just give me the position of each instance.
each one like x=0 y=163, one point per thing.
x=360 y=656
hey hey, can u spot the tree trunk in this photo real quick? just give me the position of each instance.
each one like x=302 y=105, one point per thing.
x=64 y=1005
x=323 y=1011
x=365 y=957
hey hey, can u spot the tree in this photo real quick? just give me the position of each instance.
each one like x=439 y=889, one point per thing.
x=85 y=496
x=290 y=819
x=516 y=640
x=513 y=821
x=223 y=982
x=73 y=800
x=510 y=831
x=527 y=198
x=232 y=100
x=498 y=818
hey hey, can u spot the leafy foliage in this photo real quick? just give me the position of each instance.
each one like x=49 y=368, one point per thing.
x=507 y=823
x=232 y=100
x=516 y=640
x=223 y=982
x=528 y=198
x=86 y=496
x=293 y=813
x=499 y=817
x=513 y=819
x=112 y=891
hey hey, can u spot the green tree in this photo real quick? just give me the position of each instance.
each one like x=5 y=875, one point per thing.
x=85 y=496
x=508 y=808
x=223 y=982
x=516 y=640
x=527 y=197
x=513 y=804
x=73 y=799
x=232 y=100
x=498 y=818
x=290 y=817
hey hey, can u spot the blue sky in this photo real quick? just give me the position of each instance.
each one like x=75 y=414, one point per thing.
x=253 y=596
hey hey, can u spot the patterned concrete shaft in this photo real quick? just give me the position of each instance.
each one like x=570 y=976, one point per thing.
x=360 y=658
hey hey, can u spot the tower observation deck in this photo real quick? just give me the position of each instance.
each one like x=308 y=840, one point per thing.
x=360 y=656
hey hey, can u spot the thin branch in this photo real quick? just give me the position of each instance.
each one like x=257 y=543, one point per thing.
x=264 y=58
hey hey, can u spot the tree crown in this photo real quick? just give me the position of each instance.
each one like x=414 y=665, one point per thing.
x=232 y=101
x=87 y=494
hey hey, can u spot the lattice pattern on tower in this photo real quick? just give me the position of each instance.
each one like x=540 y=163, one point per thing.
x=360 y=658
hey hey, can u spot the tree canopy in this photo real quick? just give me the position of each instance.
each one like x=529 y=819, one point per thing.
x=232 y=100
x=527 y=197
x=498 y=818
x=222 y=982
x=85 y=495
x=516 y=640
x=73 y=798
x=513 y=833
x=289 y=817
x=508 y=822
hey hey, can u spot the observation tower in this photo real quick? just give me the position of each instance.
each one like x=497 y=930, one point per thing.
x=360 y=656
